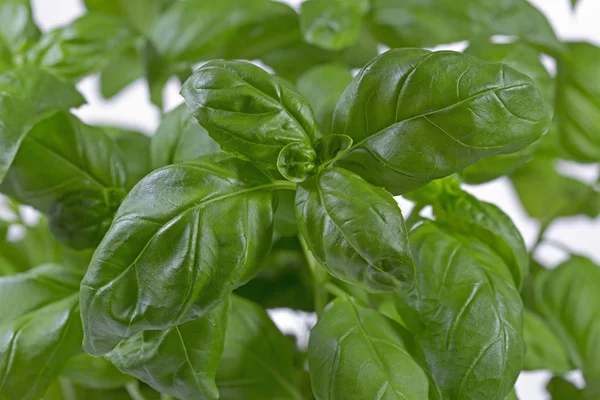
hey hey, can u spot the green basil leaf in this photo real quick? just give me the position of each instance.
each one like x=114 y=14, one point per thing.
x=331 y=24
x=84 y=187
x=248 y=111
x=427 y=23
x=471 y=314
x=193 y=351
x=577 y=106
x=404 y=138
x=17 y=28
x=19 y=112
x=512 y=395
x=574 y=3
x=296 y=161
x=489 y=224
x=494 y=167
x=546 y=194
x=172 y=255
x=544 y=348
x=322 y=86
x=122 y=70
x=561 y=389
x=569 y=300
x=180 y=138
x=351 y=342
x=85 y=46
x=258 y=361
x=142 y=14
x=83 y=393
x=40 y=329
x=135 y=147
x=94 y=372
x=285 y=217
x=355 y=230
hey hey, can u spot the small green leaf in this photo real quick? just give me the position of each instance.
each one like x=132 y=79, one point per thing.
x=258 y=361
x=355 y=230
x=180 y=361
x=141 y=14
x=561 y=389
x=120 y=72
x=355 y=353
x=40 y=329
x=331 y=24
x=322 y=86
x=544 y=348
x=172 y=255
x=404 y=137
x=331 y=146
x=569 y=300
x=83 y=47
x=94 y=372
x=180 y=138
x=471 y=314
x=135 y=147
x=19 y=111
x=17 y=28
x=248 y=111
x=296 y=161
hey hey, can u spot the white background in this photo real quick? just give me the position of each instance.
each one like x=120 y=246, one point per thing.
x=133 y=109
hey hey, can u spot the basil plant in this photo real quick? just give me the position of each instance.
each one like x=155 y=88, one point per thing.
x=155 y=260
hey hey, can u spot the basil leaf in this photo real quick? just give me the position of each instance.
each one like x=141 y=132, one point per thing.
x=322 y=86
x=427 y=23
x=257 y=361
x=135 y=147
x=193 y=350
x=40 y=329
x=568 y=299
x=331 y=24
x=120 y=72
x=544 y=348
x=577 y=107
x=172 y=255
x=546 y=194
x=94 y=372
x=471 y=314
x=355 y=230
x=560 y=389
x=84 y=187
x=19 y=112
x=180 y=138
x=248 y=111
x=404 y=138
x=17 y=29
x=350 y=341
x=489 y=224
x=512 y=395
x=142 y=14
x=85 y=46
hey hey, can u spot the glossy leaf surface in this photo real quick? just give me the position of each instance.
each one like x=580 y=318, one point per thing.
x=471 y=312
x=404 y=138
x=94 y=372
x=355 y=230
x=39 y=329
x=19 y=113
x=356 y=353
x=182 y=240
x=248 y=111
x=180 y=361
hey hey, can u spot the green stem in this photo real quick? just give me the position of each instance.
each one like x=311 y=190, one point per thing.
x=133 y=388
x=320 y=277
x=540 y=237
x=336 y=290
x=414 y=216
x=286 y=185
x=67 y=389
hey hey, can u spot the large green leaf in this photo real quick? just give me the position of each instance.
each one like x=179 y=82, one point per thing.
x=489 y=224
x=355 y=230
x=322 y=86
x=85 y=185
x=405 y=137
x=546 y=194
x=180 y=138
x=180 y=361
x=94 y=372
x=85 y=46
x=248 y=111
x=427 y=23
x=173 y=254
x=28 y=95
x=141 y=14
x=39 y=329
x=332 y=24
x=569 y=299
x=258 y=361
x=577 y=104
x=471 y=312
x=544 y=349
x=17 y=30
x=355 y=353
